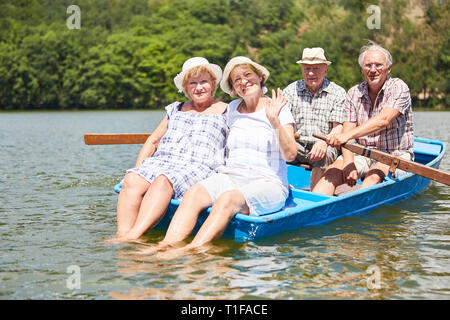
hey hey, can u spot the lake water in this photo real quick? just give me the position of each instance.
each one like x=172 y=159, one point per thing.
x=57 y=207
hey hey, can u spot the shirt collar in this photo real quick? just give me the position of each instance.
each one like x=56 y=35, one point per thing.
x=324 y=87
x=364 y=88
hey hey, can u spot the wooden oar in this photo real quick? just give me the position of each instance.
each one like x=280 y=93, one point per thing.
x=115 y=138
x=396 y=162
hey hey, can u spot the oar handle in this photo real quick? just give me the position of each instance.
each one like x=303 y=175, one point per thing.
x=320 y=136
x=115 y=138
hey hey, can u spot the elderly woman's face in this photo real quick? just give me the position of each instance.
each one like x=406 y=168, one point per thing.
x=245 y=81
x=200 y=88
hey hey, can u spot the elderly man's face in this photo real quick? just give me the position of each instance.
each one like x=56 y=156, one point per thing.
x=375 y=69
x=313 y=74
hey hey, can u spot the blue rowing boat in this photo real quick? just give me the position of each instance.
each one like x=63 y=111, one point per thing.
x=305 y=208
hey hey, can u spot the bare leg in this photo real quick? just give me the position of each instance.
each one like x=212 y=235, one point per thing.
x=316 y=173
x=153 y=207
x=223 y=210
x=375 y=175
x=130 y=197
x=330 y=179
x=183 y=222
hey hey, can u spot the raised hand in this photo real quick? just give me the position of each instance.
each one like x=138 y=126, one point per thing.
x=273 y=109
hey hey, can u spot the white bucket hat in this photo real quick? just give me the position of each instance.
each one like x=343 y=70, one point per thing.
x=224 y=85
x=313 y=56
x=192 y=63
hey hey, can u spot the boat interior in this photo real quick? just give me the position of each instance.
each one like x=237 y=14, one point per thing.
x=425 y=152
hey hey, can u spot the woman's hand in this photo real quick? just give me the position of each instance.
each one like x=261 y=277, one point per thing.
x=288 y=145
x=273 y=109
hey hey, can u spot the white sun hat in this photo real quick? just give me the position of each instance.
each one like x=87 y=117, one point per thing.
x=192 y=63
x=224 y=85
x=313 y=56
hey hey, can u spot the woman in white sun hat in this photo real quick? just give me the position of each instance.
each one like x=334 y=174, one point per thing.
x=186 y=147
x=254 y=178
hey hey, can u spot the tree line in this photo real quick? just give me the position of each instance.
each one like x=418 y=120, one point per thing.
x=126 y=53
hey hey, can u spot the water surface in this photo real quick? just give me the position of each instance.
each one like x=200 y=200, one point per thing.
x=57 y=207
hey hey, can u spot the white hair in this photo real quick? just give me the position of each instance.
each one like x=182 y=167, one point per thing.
x=372 y=46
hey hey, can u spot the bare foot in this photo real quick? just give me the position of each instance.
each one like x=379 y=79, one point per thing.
x=118 y=240
x=153 y=249
x=177 y=252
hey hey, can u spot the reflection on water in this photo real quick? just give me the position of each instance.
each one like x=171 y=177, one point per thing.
x=57 y=208
x=199 y=275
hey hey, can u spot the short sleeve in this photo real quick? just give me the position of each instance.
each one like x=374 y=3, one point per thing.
x=337 y=114
x=285 y=116
x=288 y=92
x=398 y=96
x=349 y=106
x=172 y=108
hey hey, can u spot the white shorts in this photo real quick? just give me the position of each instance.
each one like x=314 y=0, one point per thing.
x=363 y=164
x=262 y=194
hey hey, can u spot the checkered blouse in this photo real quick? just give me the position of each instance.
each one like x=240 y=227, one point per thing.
x=399 y=134
x=315 y=114
x=190 y=150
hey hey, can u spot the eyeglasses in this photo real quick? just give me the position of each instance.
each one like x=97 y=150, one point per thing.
x=378 y=66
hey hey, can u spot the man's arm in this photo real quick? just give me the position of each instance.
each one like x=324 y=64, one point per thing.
x=373 y=125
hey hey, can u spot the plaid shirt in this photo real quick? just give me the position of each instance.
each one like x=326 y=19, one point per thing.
x=315 y=114
x=399 y=134
x=192 y=148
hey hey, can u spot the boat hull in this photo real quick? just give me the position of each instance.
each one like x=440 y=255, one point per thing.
x=304 y=208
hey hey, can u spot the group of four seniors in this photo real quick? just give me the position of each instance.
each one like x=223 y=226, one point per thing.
x=233 y=156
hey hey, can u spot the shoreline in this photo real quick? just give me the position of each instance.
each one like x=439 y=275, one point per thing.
x=417 y=109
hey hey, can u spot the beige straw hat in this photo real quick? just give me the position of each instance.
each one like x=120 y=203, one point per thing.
x=192 y=63
x=224 y=85
x=313 y=56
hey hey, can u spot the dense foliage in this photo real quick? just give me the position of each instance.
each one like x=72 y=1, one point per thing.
x=127 y=52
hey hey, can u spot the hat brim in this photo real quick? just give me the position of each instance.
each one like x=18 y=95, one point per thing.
x=214 y=68
x=314 y=62
x=230 y=66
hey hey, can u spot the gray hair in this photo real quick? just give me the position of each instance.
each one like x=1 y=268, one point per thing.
x=373 y=46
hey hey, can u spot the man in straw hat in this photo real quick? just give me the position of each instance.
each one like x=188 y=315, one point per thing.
x=317 y=106
x=378 y=114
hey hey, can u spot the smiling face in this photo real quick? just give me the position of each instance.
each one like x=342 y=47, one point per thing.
x=245 y=81
x=313 y=74
x=200 y=88
x=375 y=69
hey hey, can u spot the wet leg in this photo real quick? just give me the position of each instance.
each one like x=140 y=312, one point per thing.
x=153 y=207
x=130 y=197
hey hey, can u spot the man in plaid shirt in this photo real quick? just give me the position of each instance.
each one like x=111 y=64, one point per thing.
x=317 y=105
x=377 y=114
